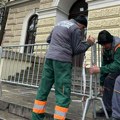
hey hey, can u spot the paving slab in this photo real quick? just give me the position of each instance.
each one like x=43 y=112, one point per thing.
x=18 y=100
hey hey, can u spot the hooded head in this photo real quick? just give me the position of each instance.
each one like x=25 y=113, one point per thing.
x=104 y=37
x=81 y=20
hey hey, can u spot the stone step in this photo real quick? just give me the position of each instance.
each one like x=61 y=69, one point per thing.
x=29 y=76
x=12 y=111
x=18 y=100
x=6 y=115
x=17 y=111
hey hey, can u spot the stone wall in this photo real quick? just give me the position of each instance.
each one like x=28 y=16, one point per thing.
x=45 y=26
x=106 y=18
x=16 y=17
x=103 y=18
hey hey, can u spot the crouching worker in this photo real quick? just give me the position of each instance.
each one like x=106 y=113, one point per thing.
x=109 y=74
x=65 y=42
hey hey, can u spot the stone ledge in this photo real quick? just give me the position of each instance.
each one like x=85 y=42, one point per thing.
x=3 y=105
x=20 y=101
x=20 y=111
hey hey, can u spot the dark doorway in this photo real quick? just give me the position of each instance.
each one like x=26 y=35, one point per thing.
x=31 y=34
x=80 y=7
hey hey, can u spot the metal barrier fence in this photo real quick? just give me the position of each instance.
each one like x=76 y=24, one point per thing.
x=93 y=91
x=23 y=65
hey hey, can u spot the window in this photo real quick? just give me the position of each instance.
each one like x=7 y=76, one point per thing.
x=31 y=33
x=2 y=13
x=3 y=19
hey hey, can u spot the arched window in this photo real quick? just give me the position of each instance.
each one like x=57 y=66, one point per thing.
x=31 y=33
x=80 y=7
x=3 y=19
x=2 y=13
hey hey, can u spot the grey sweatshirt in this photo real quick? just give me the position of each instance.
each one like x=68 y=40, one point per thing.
x=66 y=40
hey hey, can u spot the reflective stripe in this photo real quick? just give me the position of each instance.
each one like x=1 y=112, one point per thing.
x=62 y=109
x=38 y=111
x=117 y=47
x=39 y=106
x=40 y=102
x=58 y=117
x=60 y=113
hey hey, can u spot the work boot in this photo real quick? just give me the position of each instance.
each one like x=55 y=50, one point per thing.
x=101 y=113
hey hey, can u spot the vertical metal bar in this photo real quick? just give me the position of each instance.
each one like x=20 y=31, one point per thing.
x=0 y=58
x=10 y=60
x=95 y=62
x=98 y=55
x=84 y=77
x=28 y=74
x=13 y=60
x=95 y=80
x=20 y=65
x=99 y=60
x=36 y=66
x=17 y=62
x=91 y=76
x=0 y=78
x=39 y=60
x=23 y=76
x=6 y=57
x=33 y=68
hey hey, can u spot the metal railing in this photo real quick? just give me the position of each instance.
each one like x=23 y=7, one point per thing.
x=93 y=92
x=23 y=65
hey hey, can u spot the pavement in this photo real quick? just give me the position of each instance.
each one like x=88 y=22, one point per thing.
x=17 y=101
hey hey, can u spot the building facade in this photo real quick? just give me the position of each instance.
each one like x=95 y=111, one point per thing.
x=103 y=14
x=30 y=21
x=25 y=22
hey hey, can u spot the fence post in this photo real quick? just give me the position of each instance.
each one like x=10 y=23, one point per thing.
x=0 y=78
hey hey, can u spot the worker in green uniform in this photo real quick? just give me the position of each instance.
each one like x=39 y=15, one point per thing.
x=65 y=42
x=109 y=74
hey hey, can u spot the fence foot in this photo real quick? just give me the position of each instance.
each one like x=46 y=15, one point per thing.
x=103 y=106
x=87 y=104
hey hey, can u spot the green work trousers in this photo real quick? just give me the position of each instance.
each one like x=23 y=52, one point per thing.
x=57 y=73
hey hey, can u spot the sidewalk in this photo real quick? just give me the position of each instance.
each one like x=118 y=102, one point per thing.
x=18 y=100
